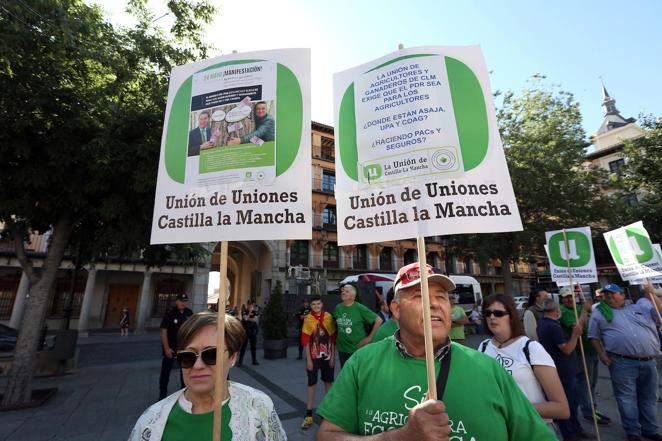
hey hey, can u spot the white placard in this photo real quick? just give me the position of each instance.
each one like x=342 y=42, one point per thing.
x=579 y=255
x=418 y=150
x=235 y=158
x=633 y=253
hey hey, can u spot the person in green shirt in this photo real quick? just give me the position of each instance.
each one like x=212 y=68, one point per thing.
x=481 y=401
x=247 y=414
x=459 y=319
x=567 y=321
x=351 y=321
x=388 y=328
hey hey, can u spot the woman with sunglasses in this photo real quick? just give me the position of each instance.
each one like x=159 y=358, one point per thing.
x=526 y=360
x=247 y=414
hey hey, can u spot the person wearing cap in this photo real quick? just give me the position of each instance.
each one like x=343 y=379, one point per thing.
x=568 y=321
x=351 y=320
x=626 y=340
x=479 y=400
x=170 y=325
x=562 y=349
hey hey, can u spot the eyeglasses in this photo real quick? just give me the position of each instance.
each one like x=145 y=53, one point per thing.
x=187 y=359
x=496 y=313
x=414 y=274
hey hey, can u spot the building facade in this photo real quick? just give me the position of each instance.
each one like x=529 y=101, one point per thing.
x=103 y=289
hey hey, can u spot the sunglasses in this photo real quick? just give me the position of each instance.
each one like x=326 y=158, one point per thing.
x=187 y=359
x=496 y=313
x=414 y=274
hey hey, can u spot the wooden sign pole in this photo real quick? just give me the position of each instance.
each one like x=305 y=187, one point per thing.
x=427 y=320
x=219 y=387
x=581 y=343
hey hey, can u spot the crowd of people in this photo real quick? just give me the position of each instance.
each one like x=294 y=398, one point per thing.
x=532 y=379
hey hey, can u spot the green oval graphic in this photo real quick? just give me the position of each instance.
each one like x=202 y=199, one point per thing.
x=470 y=113
x=468 y=105
x=349 y=151
x=289 y=121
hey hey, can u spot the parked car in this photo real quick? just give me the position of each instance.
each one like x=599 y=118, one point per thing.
x=8 y=337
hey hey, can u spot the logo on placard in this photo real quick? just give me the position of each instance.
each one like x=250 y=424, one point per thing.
x=639 y=242
x=372 y=172
x=577 y=253
x=444 y=159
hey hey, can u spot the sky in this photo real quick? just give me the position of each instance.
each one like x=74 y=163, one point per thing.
x=575 y=44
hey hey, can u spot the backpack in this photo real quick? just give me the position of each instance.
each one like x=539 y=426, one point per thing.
x=525 y=349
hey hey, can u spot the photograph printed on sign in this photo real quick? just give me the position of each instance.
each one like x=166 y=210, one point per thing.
x=232 y=129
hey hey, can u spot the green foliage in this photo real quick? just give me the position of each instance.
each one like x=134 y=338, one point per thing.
x=642 y=176
x=545 y=147
x=81 y=110
x=274 y=319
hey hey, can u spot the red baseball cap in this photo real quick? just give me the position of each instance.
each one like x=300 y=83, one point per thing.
x=410 y=275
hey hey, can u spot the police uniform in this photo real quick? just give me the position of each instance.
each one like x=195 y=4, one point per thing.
x=171 y=322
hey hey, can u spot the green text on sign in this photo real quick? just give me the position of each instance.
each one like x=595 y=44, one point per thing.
x=236 y=157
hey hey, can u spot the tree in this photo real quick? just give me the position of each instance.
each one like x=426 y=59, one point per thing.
x=274 y=320
x=81 y=112
x=641 y=176
x=545 y=145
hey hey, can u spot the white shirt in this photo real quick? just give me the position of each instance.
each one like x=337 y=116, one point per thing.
x=512 y=358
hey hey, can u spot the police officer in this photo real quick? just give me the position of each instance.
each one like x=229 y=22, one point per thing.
x=169 y=328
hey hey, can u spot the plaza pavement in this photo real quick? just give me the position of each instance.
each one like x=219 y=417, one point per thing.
x=117 y=378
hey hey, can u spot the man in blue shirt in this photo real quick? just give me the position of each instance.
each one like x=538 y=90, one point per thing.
x=562 y=350
x=626 y=340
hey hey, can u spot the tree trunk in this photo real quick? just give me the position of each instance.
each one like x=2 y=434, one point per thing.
x=19 y=384
x=507 y=275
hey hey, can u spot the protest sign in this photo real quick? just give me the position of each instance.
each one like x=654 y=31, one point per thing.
x=235 y=153
x=633 y=253
x=418 y=151
x=654 y=279
x=575 y=257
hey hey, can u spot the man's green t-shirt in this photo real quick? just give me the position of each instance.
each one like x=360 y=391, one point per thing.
x=386 y=330
x=378 y=387
x=457 y=332
x=568 y=321
x=184 y=426
x=351 y=322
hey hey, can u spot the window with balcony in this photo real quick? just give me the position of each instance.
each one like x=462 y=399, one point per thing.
x=328 y=181
x=360 y=257
x=299 y=253
x=330 y=255
x=329 y=220
x=327 y=150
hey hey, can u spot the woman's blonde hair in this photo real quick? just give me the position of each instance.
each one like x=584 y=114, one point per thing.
x=234 y=331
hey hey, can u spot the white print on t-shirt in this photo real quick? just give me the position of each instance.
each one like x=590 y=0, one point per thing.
x=383 y=420
x=514 y=361
x=344 y=323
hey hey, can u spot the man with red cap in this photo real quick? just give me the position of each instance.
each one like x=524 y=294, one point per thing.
x=478 y=399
